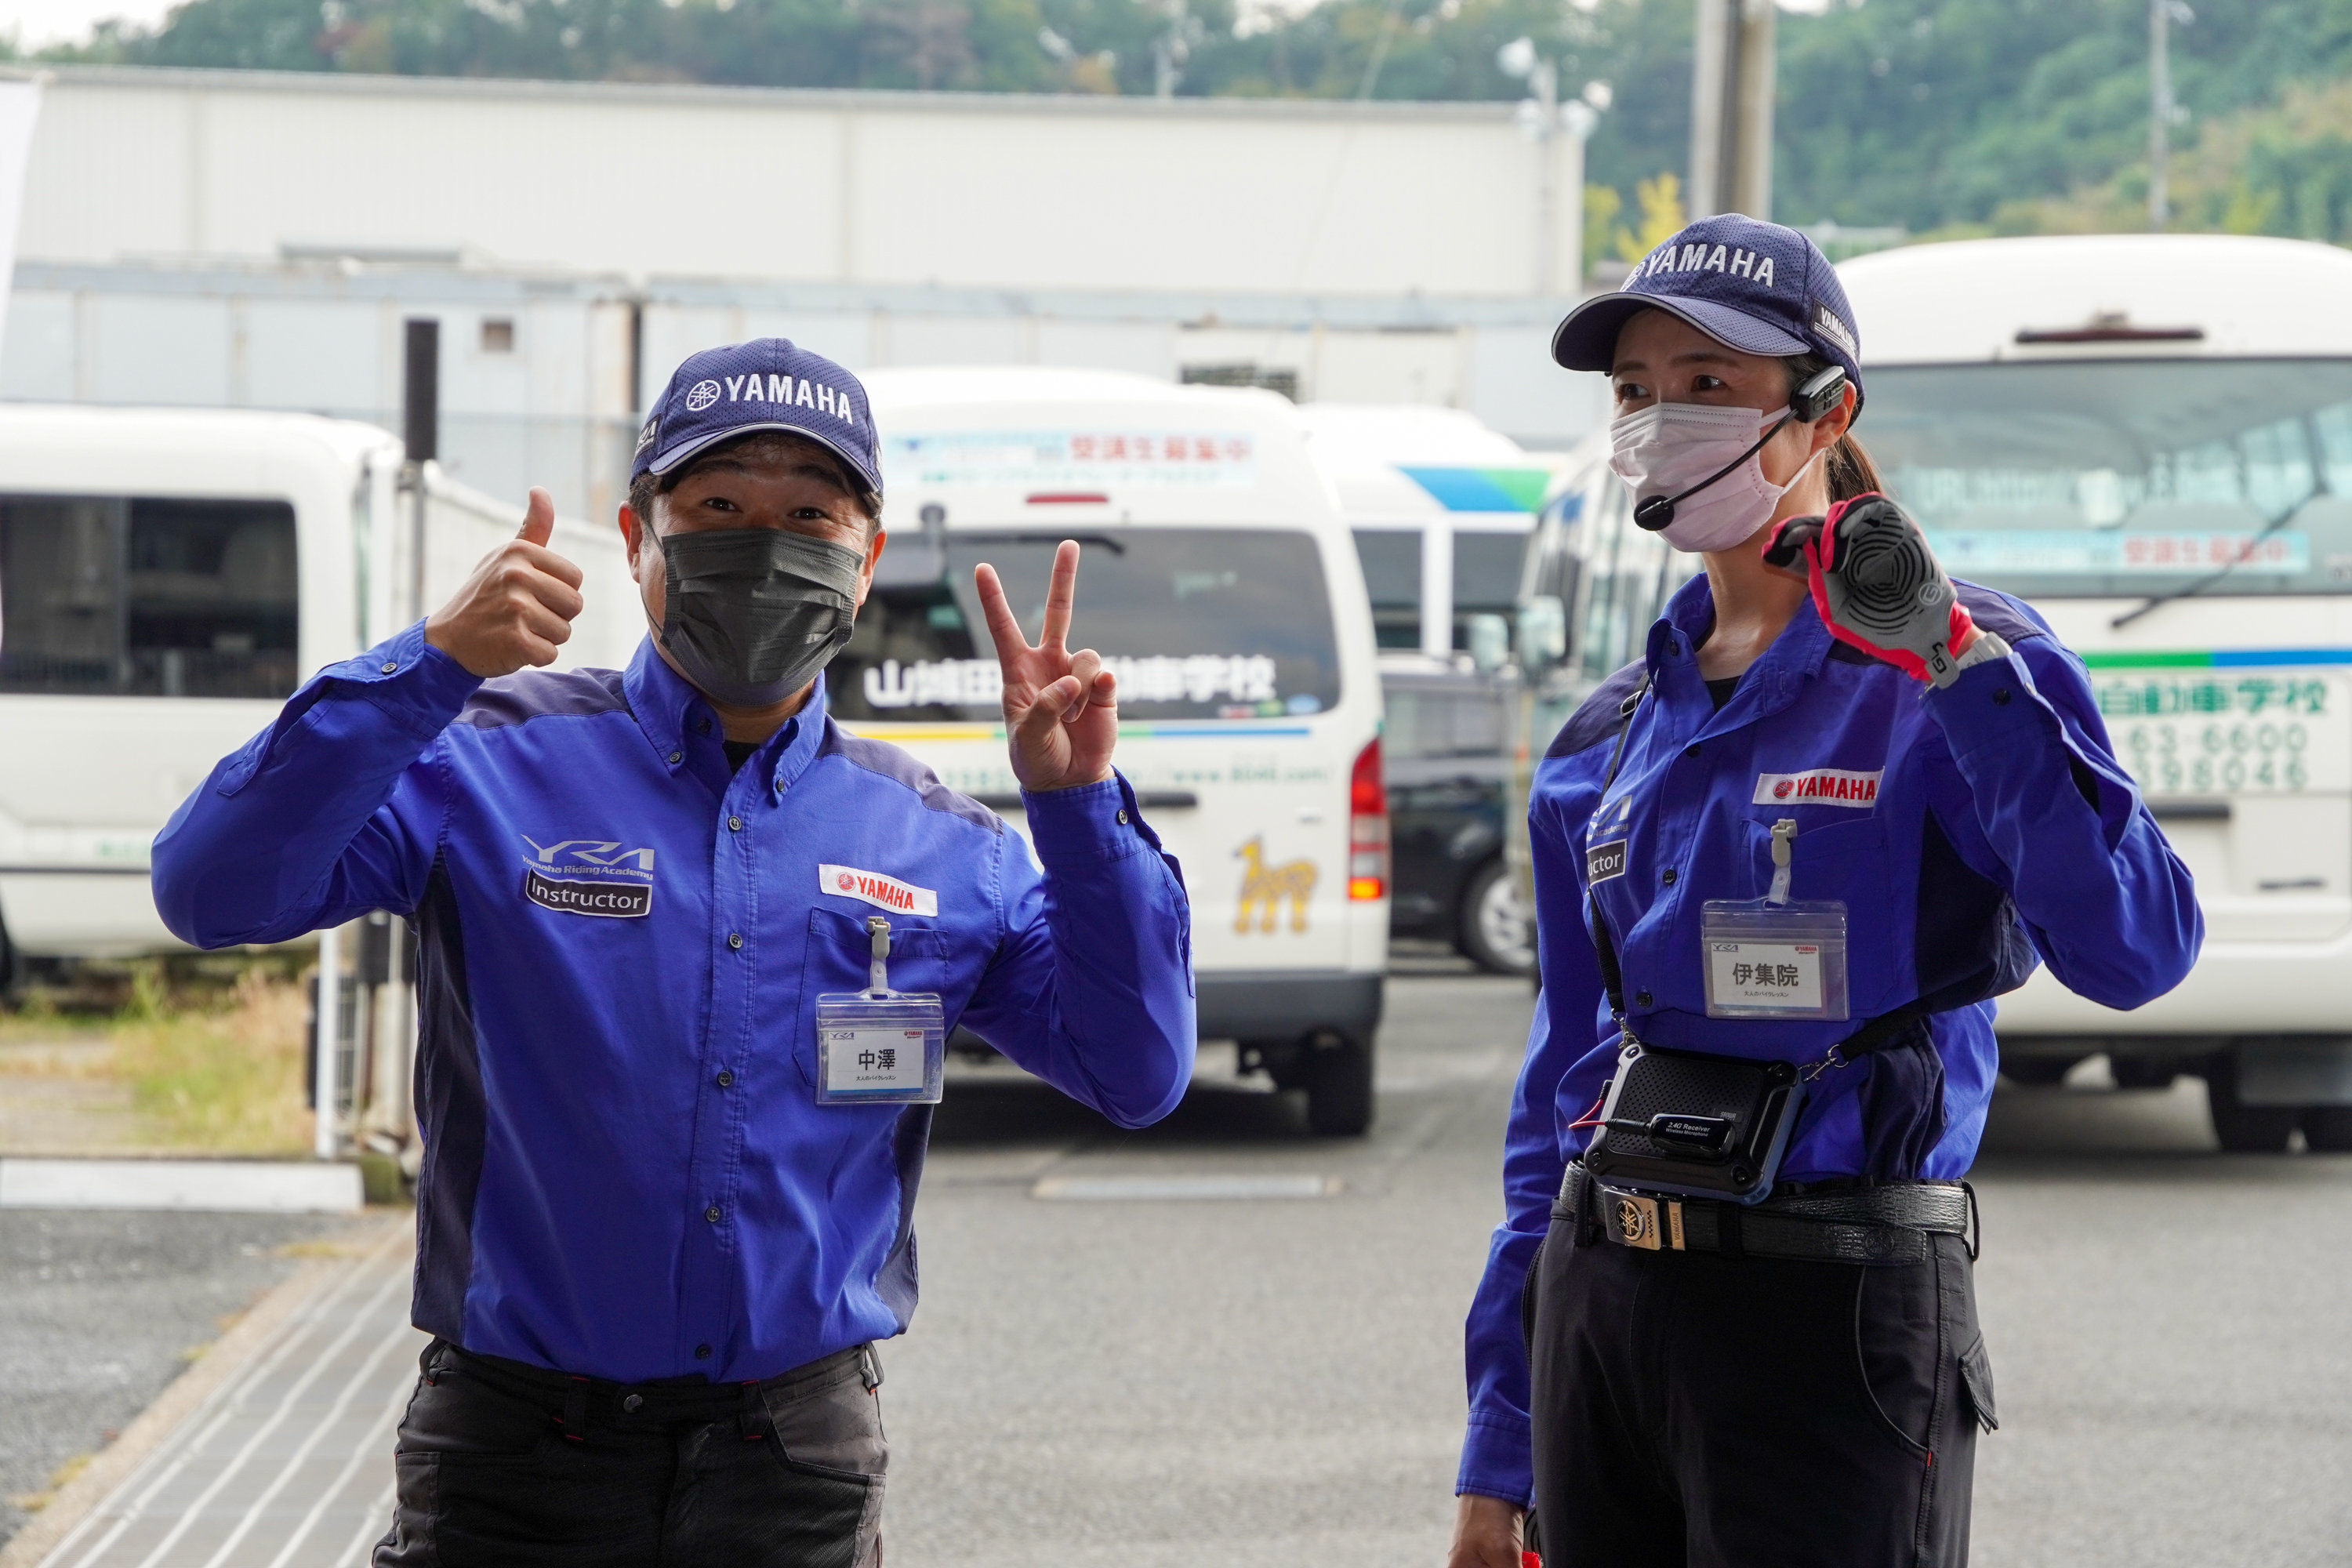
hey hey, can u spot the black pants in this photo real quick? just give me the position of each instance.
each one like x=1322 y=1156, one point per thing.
x=1697 y=1410
x=504 y=1466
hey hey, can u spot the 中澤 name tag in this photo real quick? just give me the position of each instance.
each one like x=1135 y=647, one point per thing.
x=873 y=1059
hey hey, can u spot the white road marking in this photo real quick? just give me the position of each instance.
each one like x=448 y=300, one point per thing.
x=206 y=1421
x=389 y=1418
x=294 y=1463
x=1147 y=1189
x=196 y=1507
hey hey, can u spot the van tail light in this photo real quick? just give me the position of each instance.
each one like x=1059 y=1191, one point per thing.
x=1368 y=826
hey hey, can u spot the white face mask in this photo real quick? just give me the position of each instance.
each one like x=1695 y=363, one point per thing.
x=1681 y=450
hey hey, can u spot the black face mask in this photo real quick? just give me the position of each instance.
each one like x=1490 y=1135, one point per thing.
x=752 y=614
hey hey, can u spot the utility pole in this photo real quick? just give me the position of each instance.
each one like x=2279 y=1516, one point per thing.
x=1542 y=118
x=1733 y=80
x=2163 y=113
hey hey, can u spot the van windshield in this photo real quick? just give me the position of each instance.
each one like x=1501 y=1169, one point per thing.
x=2116 y=479
x=1212 y=623
x=147 y=596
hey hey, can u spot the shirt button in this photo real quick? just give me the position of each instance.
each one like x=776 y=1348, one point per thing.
x=735 y=939
x=1122 y=816
x=633 y=1403
x=1642 y=998
x=734 y=825
x=2001 y=697
x=673 y=758
x=702 y=726
x=702 y=1353
x=392 y=670
x=713 y=1213
x=726 y=1079
x=1669 y=875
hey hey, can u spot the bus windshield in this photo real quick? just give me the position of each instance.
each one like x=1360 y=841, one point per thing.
x=1214 y=622
x=2124 y=479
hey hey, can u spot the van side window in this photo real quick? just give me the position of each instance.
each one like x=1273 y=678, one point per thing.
x=110 y=595
x=1391 y=562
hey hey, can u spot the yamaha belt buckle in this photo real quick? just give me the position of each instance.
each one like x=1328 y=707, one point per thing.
x=1648 y=1222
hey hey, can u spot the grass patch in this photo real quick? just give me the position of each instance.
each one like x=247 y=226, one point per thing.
x=225 y=1074
x=210 y=1056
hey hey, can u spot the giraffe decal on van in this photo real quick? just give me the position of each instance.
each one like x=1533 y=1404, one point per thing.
x=1265 y=887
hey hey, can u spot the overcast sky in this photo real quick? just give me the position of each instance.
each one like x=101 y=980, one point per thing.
x=38 y=22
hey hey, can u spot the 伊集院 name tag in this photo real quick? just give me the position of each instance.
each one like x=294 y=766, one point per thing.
x=1774 y=961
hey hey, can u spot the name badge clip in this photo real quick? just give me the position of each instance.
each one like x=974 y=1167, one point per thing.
x=879 y=1046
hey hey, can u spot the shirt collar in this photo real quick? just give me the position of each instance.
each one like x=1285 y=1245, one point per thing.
x=1770 y=684
x=666 y=709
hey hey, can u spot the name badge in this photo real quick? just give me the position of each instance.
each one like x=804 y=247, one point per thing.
x=1774 y=961
x=862 y=1058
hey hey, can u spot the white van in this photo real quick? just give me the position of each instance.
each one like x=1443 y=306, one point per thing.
x=167 y=579
x=1219 y=580
x=2148 y=437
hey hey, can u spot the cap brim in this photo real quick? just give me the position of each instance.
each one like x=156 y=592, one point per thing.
x=1587 y=340
x=685 y=449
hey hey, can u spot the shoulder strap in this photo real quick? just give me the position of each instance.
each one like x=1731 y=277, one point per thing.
x=1603 y=948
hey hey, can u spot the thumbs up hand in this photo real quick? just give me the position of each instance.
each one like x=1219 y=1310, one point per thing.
x=518 y=606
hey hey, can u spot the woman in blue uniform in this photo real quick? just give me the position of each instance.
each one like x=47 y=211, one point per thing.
x=1783 y=863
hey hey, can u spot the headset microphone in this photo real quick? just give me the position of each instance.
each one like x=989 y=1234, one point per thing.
x=1807 y=403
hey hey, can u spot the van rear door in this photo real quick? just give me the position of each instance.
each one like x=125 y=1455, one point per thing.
x=1229 y=667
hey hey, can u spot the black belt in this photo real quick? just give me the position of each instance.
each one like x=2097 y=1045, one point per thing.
x=1884 y=1223
x=575 y=1402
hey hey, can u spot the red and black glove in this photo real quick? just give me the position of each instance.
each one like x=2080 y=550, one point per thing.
x=1877 y=586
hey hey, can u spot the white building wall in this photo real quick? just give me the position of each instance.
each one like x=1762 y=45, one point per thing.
x=256 y=239
x=957 y=189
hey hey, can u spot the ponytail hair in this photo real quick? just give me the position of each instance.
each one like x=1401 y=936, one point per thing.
x=1848 y=467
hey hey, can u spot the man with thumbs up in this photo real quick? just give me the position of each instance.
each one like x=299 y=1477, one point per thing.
x=655 y=1246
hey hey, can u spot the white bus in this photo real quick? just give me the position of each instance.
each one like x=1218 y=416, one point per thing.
x=2149 y=438
x=1219 y=580
x=1440 y=505
x=167 y=579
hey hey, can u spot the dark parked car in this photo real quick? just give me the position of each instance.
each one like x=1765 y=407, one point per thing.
x=1445 y=751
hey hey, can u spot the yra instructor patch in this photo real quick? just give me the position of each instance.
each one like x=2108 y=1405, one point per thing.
x=614 y=901
x=589 y=876
x=1819 y=787
x=872 y=887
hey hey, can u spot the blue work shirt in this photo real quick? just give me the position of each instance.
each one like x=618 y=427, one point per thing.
x=626 y=1172
x=1970 y=830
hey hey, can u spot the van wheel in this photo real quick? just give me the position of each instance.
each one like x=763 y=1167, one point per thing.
x=1339 y=1085
x=2328 y=1129
x=2244 y=1129
x=1492 y=929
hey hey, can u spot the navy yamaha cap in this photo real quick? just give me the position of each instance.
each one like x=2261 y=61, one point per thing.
x=764 y=384
x=1755 y=287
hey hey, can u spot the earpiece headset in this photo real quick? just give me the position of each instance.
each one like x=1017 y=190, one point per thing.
x=1820 y=393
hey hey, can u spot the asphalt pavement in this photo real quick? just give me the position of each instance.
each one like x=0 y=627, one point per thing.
x=1221 y=1341
x=100 y=1309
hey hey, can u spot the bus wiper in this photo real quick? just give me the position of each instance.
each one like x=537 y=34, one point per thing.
x=2245 y=553
x=975 y=538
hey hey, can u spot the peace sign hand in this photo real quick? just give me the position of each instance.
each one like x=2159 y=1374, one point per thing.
x=1061 y=709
